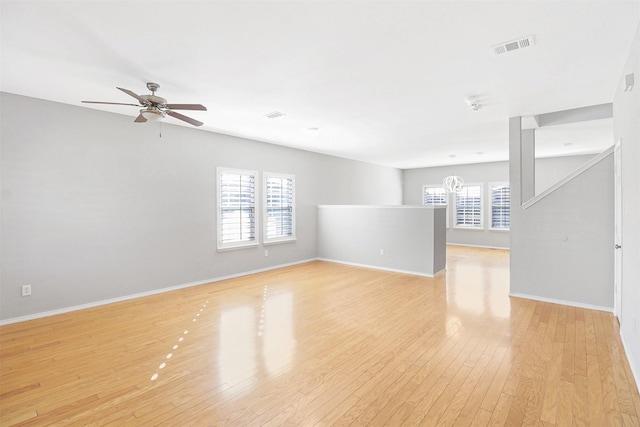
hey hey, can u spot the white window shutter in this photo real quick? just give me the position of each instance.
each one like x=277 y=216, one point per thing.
x=500 y=211
x=279 y=207
x=469 y=207
x=236 y=208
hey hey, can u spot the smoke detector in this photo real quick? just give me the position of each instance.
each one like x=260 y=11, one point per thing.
x=522 y=43
x=473 y=103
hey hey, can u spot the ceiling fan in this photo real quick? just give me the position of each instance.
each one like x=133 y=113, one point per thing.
x=155 y=107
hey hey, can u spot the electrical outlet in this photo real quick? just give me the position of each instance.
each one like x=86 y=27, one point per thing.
x=26 y=290
x=266 y=252
x=381 y=251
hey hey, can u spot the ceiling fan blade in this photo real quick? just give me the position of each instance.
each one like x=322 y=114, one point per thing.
x=186 y=107
x=110 y=103
x=184 y=118
x=136 y=96
x=140 y=119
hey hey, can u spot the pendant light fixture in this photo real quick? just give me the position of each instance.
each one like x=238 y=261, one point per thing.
x=453 y=183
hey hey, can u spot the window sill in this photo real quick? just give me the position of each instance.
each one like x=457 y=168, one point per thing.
x=469 y=228
x=238 y=246
x=280 y=241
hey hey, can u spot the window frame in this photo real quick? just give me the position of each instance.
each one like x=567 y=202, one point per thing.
x=481 y=226
x=265 y=214
x=446 y=196
x=237 y=244
x=490 y=205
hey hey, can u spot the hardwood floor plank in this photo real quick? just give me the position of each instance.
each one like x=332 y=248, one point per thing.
x=590 y=333
x=609 y=399
x=515 y=416
x=536 y=370
x=480 y=419
x=564 y=415
x=501 y=411
x=580 y=351
x=568 y=356
x=521 y=349
x=552 y=385
x=549 y=338
x=596 y=400
x=580 y=401
x=561 y=325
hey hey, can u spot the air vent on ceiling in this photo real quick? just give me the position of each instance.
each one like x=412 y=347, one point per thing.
x=274 y=114
x=512 y=45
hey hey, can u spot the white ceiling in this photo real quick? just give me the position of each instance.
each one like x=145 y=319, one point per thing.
x=383 y=81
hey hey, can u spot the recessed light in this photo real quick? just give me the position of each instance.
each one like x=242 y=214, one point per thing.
x=452 y=156
x=479 y=153
x=274 y=114
x=313 y=129
x=568 y=144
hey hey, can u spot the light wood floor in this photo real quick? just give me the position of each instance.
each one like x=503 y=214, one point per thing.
x=324 y=344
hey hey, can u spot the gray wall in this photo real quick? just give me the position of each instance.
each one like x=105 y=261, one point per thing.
x=548 y=172
x=411 y=238
x=626 y=123
x=561 y=247
x=96 y=207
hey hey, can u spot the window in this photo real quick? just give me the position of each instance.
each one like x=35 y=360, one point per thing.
x=435 y=195
x=236 y=208
x=500 y=199
x=279 y=208
x=469 y=207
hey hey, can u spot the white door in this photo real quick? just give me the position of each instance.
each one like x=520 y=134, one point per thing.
x=617 y=308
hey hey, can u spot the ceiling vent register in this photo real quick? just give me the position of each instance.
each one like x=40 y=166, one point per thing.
x=512 y=45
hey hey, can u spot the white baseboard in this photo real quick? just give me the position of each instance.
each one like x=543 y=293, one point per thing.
x=142 y=294
x=376 y=267
x=477 y=246
x=632 y=361
x=562 y=302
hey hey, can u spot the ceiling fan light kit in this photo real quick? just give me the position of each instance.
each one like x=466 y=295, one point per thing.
x=151 y=114
x=155 y=107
